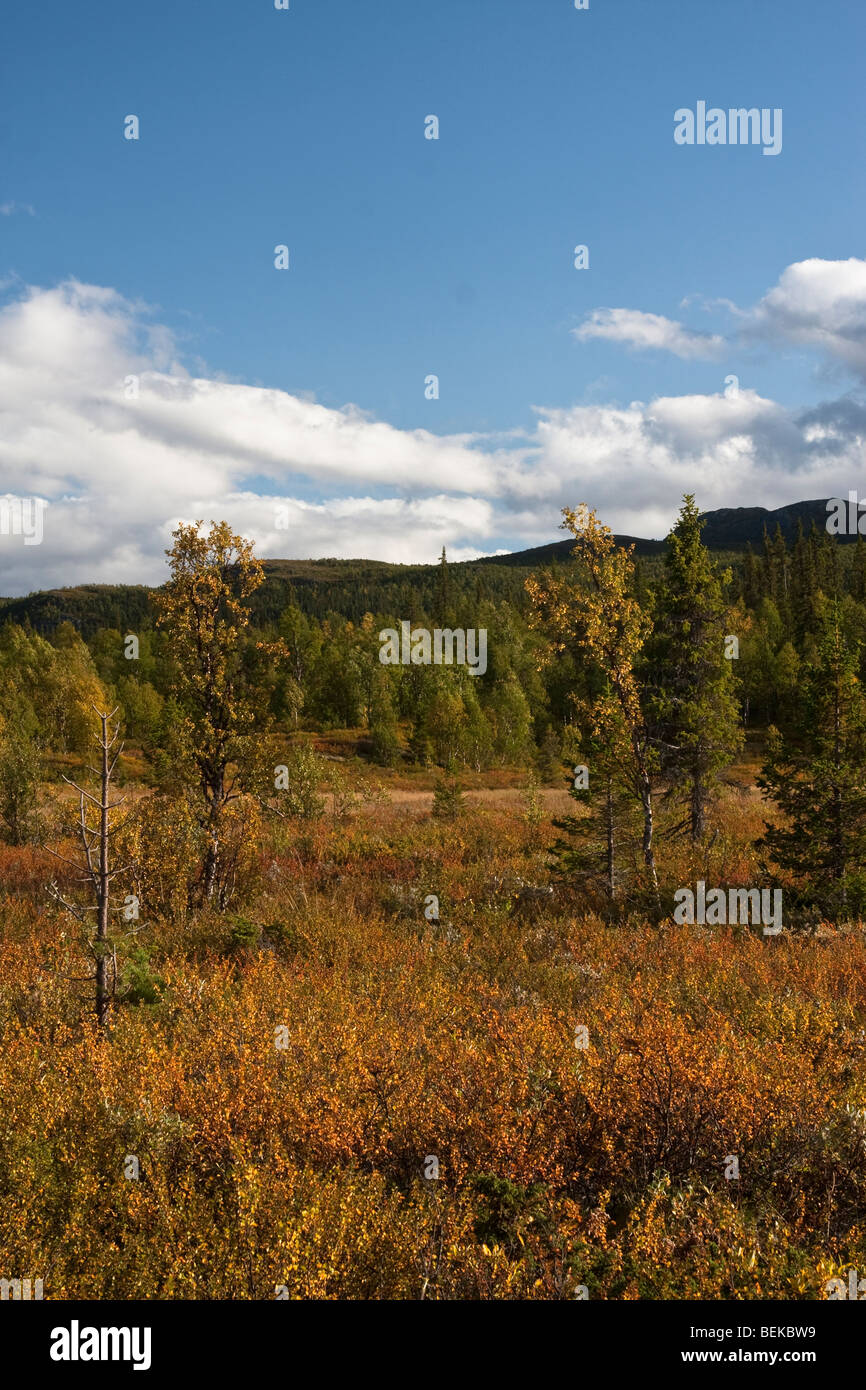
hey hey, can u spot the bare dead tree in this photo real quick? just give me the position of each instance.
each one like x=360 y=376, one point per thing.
x=94 y=869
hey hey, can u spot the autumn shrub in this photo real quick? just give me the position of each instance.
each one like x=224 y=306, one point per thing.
x=648 y=1111
x=162 y=841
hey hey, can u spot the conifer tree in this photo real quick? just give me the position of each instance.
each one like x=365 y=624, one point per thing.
x=420 y=746
x=384 y=730
x=828 y=563
x=802 y=582
x=781 y=571
x=600 y=842
x=767 y=567
x=694 y=704
x=816 y=775
x=858 y=570
x=751 y=583
x=20 y=767
x=444 y=592
x=815 y=553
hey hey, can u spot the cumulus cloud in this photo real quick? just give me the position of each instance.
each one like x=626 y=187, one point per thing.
x=103 y=421
x=639 y=330
x=818 y=304
x=740 y=450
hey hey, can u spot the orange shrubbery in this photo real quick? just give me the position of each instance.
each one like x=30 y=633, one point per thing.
x=301 y=1166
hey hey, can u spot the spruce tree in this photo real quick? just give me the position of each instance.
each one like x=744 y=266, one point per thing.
x=751 y=583
x=767 y=566
x=602 y=843
x=816 y=775
x=384 y=729
x=694 y=705
x=858 y=570
x=802 y=582
x=828 y=561
x=443 y=597
x=815 y=552
x=782 y=573
x=20 y=769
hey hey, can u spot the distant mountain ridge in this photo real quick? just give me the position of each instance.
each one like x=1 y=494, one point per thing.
x=353 y=587
x=728 y=528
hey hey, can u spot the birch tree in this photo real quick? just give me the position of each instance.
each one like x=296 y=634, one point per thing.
x=590 y=606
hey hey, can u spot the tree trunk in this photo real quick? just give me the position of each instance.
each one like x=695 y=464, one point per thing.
x=103 y=884
x=611 y=880
x=699 y=823
x=214 y=790
x=646 y=800
x=211 y=863
x=840 y=865
x=95 y=868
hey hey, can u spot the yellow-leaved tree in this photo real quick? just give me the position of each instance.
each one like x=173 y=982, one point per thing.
x=591 y=606
x=204 y=611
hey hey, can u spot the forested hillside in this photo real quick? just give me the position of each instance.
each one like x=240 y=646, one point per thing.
x=352 y=588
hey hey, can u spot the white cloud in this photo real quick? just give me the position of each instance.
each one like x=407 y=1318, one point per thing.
x=9 y=209
x=818 y=304
x=640 y=330
x=118 y=473
x=634 y=464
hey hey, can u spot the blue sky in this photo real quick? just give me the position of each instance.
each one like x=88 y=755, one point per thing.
x=411 y=256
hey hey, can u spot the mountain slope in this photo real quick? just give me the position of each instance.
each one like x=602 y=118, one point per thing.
x=354 y=587
x=728 y=528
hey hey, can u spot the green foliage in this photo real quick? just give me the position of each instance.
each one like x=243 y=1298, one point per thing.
x=141 y=707
x=287 y=937
x=511 y=721
x=139 y=983
x=595 y=609
x=505 y=1211
x=602 y=841
x=449 y=802
x=533 y=810
x=20 y=770
x=420 y=747
x=243 y=934
x=548 y=756
x=48 y=689
x=816 y=775
x=693 y=703
x=384 y=729
x=300 y=773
